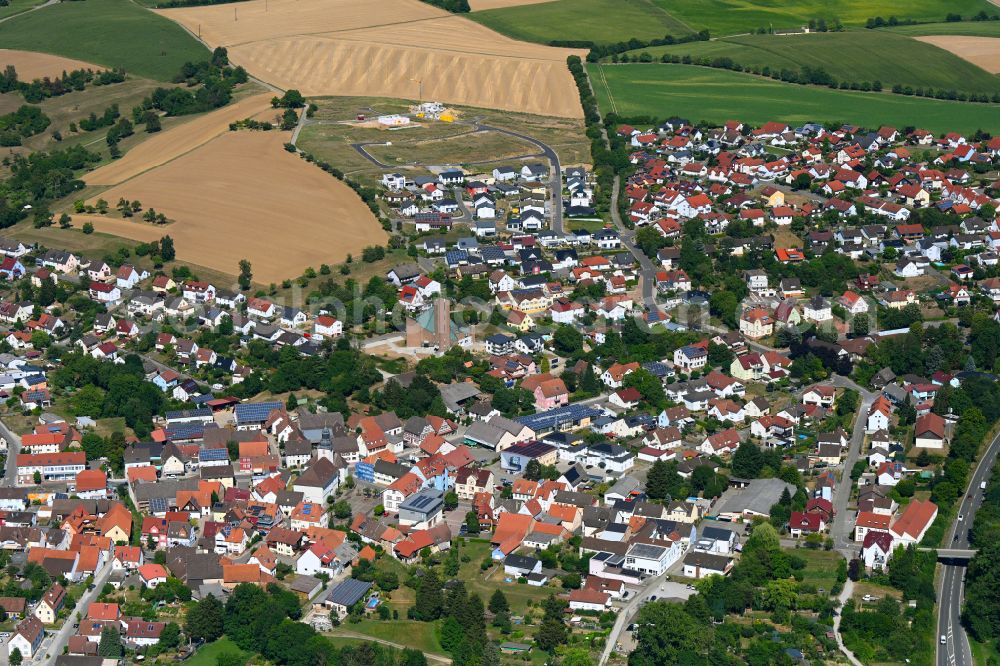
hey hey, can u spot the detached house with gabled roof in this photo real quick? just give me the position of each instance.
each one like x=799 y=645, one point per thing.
x=929 y=432
x=614 y=376
x=319 y=481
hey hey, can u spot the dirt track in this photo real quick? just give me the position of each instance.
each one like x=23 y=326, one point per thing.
x=342 y=47
x=31 y=65
x=241 y=195
x=981 y=51
x=177 y=141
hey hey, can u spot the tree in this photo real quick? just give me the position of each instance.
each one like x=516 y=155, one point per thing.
x=725 y=306
x=649 y=240
x=292 y=99
x=552 y=632
x=859 y=325
x=289 y=119
x=649 y=387
x=205 y=620
x=167 y=252
x=658 y=480
x=472 y=523
x=37 y=477
x=666 y=634
x=411 y=657
x=577 y=657
x=342 y=509
x=450 y=500
x=498 y=602
x=982 y=592
x=429 y=600
x=747 y=461
x=589 y=383
x=451 y=634
x=170 y=637
x=568 y=340
x=88 y=228
x=533 y=470
x=111 y=642
x=16 y=659
x=246 y=275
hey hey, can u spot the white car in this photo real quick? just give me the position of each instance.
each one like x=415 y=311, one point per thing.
x=944 y=639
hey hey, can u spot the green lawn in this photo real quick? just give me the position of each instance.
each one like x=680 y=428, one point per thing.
x=847 y=56
x=714 y=96
x=410 y=633
x=113 y=33
x=600 y=21
x=518 y=595
x=969 y=28
x=729 y=17
x=982 y=653
x=821 y=567
x=206 y=656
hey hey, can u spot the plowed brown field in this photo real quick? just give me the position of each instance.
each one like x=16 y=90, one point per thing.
x=173 y=143
x=981 y=51
x=405 y=48
x=31 y=65
x=242 y=196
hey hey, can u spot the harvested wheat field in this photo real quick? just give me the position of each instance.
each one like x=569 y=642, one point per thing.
x=981 y=51
x=31 y=65
x=342 y=47
x=481 y=5
x=242 y=196
x=173 y=143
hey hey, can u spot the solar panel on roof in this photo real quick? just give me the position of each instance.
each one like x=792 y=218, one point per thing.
x=213 y=454
x=255 y=411
x=158 y=505
x=555 y=417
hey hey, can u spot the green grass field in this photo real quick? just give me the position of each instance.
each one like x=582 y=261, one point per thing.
x=600 y=21
x=409 y=633
x=206 y=656
x=966 y=28
x=18 y=6
x=714 y=96
x=606 y=21
x=113 y=33
x=821 y=567
x=729 y=17
x=847 y=56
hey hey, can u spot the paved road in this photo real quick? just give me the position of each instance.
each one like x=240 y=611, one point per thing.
x=957 y=651
x=840 y=530
x=626 y=613
x=58 y=641
x=303 y=117
x=555 y=174
x=555 y=169
x=13 y=448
